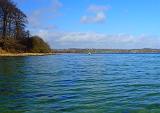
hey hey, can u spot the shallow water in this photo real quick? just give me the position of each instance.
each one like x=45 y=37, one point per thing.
x=80 y=83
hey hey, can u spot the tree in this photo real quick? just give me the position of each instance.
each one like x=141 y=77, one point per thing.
x=37 y=45
x=12 y=20
x=13 y=36
x=20 y=20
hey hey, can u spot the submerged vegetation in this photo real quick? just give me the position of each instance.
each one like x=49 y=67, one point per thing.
x=14 y=37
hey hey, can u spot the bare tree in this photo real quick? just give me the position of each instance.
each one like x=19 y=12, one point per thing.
x=12 y=20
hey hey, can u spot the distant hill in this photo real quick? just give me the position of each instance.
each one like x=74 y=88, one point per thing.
x=145 y=50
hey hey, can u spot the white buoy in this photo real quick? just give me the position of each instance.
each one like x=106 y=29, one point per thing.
x=89 y=53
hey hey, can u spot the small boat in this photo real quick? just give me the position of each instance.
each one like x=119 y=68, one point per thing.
x=89 y=53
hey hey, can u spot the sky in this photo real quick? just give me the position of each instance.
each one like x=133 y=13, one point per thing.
x=102 y=24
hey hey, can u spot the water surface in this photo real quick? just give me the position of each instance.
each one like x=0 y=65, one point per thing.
x=80 y=83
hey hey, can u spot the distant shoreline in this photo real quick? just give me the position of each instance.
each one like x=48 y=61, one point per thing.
x=110 y=51
x=24 y=54
x=84 y=51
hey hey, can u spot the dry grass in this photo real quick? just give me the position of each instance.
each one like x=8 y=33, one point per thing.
x=5 y=54
x=24 y=54
x=3 y=51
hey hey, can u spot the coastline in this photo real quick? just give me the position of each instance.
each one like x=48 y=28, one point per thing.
x=24 y=54
x=110 y=51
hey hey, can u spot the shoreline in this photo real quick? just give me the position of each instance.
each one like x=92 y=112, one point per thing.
x=46 y=54
x=24 y=54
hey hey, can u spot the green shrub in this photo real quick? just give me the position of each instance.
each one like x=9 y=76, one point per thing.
x=37 y=45
x=33 y=44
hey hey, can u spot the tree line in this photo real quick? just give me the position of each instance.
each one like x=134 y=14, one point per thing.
x=13 y=34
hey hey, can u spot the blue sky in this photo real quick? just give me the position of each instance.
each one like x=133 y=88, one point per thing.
x=95 y=23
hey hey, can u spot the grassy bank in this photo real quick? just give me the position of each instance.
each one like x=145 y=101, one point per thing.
x=4 y=53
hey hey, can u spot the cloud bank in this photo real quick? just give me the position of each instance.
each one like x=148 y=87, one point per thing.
x=98 y=40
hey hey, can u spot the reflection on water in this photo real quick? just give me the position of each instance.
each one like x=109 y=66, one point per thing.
x=11 y=81
x=78 y=83
x=11 y=66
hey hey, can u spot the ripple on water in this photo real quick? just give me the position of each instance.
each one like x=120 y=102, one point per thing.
x=79 y=83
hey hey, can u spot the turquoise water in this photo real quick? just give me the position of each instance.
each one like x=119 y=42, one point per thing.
x=79 y=83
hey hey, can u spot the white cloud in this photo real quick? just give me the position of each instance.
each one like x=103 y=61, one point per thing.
x=96 y=14
x=38 y=16
x=97 y=8
x=97 y=40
